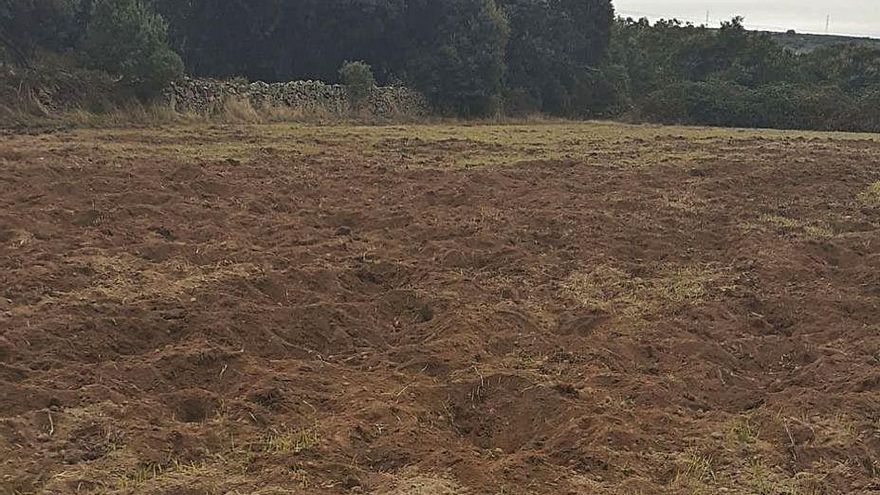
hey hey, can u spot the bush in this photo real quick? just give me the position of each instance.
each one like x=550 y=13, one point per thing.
x=126 y=39
x=781 y=106
x=54 y=85
x=867 y=118
x=679 y=73
x=357 y=77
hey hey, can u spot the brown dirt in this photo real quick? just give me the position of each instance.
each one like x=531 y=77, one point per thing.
x=547 y=309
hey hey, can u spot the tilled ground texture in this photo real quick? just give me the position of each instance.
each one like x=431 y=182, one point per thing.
x=438 y=309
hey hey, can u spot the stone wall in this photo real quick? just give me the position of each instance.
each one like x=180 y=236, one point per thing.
x=316 y=97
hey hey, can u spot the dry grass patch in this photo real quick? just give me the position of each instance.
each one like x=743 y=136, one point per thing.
x=18 y=238
x=695 y=473
x=810 y=230
x=620 y=293
x=128 y=278
x=686 y=201
x=121 y=472
x=764 y=479
x=871 y=196
x=413 y=482
x=292 y=133
x=742 y=431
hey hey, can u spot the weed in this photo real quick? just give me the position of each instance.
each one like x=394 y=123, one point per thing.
x=871 y=196
x=743 y=431
x=761 y=481
x=141 y=474
x=291 y=441
x=811 y=230
x=695 y=471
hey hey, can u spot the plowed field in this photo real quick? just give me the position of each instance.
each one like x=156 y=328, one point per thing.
x=439 y=309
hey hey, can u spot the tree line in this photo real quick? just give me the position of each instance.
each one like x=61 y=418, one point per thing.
x=465 y=56
x=672 y=72
x=568 y=58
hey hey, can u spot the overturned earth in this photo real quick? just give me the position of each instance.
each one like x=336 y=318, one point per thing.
x=439 y=309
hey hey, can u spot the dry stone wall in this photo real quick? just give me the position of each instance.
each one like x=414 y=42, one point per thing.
x=208 y=95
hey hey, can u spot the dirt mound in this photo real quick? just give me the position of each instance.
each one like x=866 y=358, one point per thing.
x=544 y=309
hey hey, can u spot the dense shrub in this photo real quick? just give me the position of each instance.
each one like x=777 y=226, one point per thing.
x=57 y=38
x=783 y=105
x=555 y=50
x=126 y=39
x=358 y=80
x=678 y=73
x=458 y=63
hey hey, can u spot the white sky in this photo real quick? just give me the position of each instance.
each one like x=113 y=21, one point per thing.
x=853 y=17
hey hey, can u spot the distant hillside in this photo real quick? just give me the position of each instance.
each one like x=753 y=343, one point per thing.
x=805 y=43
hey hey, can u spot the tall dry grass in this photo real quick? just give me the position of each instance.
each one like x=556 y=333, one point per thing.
x=27 y=112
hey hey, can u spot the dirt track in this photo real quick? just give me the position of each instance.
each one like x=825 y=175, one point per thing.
x=547 y=309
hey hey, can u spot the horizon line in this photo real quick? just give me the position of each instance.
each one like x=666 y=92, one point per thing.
x=754 y=27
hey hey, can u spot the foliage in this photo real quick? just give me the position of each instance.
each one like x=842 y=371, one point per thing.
x=468 y=57
x=127 y=39
x=456 y=57
x=124 y=38
x=852 y=67
x=464 y=55
x=680 y=73
x=358 y=80
x=28 y=25
x=555 y=50
x=452 y=51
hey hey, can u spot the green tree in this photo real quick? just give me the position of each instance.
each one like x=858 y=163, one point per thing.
x=30 y=25
x=127 y=39
x=456 y=54
x=228 y=38
x=680 y=73
x=358 y=80
x=555 y=53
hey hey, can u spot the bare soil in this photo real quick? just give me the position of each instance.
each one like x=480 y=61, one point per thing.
x=530 y=309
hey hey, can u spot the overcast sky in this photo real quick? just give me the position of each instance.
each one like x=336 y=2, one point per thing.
x=854 y=17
